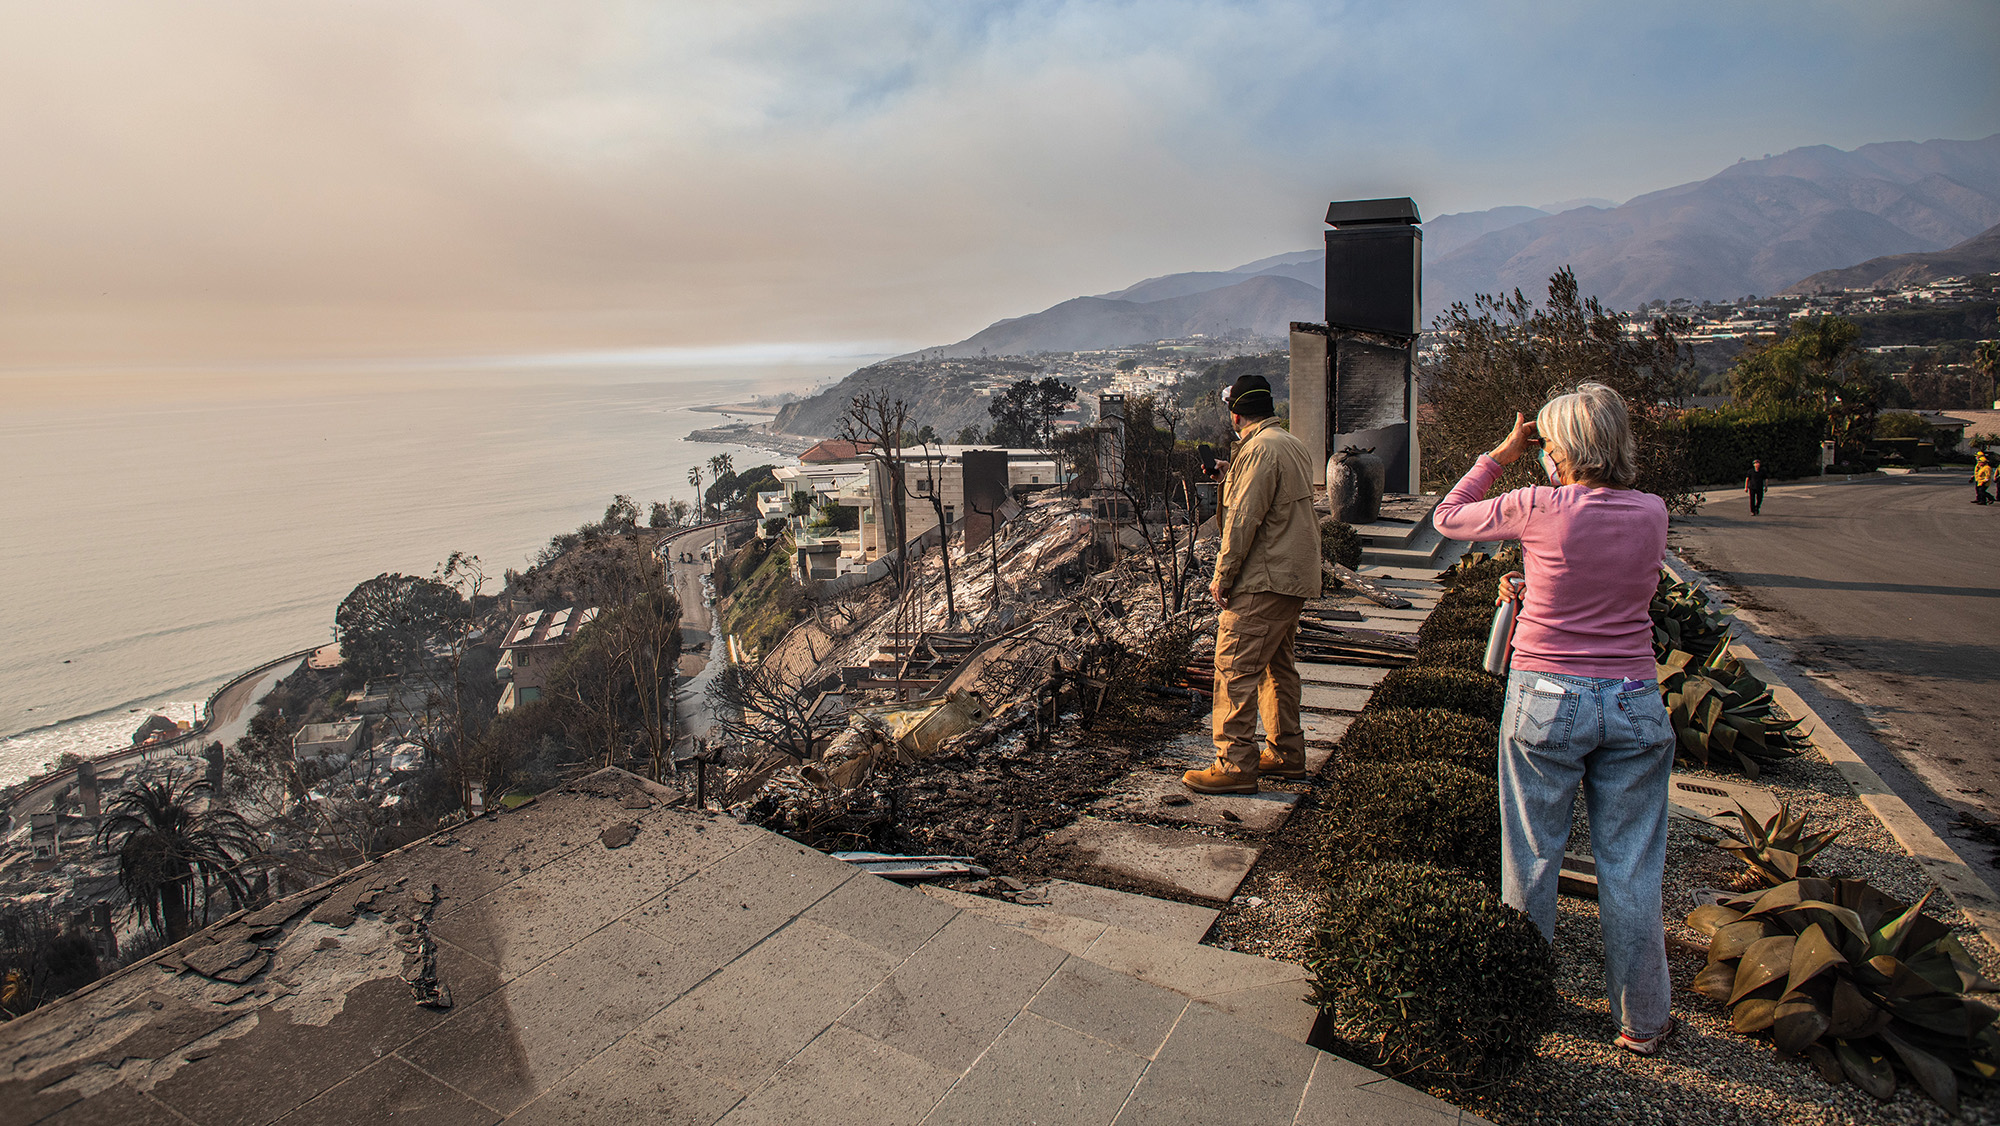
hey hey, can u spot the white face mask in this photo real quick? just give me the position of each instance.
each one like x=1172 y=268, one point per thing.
x=1549 y=468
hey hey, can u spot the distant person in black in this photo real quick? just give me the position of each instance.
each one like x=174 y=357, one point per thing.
x=1754 y=485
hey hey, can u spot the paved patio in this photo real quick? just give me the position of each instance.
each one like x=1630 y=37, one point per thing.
x=609 y=957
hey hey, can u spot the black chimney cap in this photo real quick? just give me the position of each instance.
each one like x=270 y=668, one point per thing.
x=1373 y=213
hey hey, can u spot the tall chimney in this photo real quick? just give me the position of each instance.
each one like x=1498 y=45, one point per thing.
x=1111 y=441
x=86 y=788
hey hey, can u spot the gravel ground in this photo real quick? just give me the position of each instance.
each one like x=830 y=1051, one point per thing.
x=1707 y=1074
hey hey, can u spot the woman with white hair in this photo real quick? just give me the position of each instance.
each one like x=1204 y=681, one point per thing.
x=1583 y=707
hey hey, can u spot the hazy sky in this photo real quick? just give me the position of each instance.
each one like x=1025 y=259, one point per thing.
x=377 y=177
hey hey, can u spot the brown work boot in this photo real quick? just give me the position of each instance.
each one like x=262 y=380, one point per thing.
x=1219 y=780
x=1279 y=767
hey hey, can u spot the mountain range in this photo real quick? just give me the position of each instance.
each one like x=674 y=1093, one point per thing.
x=1758 y=226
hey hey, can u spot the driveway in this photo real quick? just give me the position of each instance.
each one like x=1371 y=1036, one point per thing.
x=1887 y=592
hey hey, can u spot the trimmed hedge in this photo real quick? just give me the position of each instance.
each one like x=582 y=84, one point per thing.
x=1453 y=623
x=1720 y=443
x=1468 y=653
x=1415 y=735
x=1484 y=573
x=1470 y=593
x=1431 y=812
x=1431 y=973
x=1468 y=693
x=1339 y=543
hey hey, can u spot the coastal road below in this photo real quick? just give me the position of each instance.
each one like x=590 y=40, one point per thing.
x=1885 y=591
x=702 y=648
x=228 y=718
x=229 y=713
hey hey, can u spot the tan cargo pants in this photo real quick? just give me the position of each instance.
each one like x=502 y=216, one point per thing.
x=1256 y=675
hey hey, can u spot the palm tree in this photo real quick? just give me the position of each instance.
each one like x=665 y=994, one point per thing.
x=175 y=848
x=694 y=478
x=1987 y=362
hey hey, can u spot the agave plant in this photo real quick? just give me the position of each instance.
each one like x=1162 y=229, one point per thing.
x=1683 y=619
x=1853 y=980
x=1777 y=849
x=1723 y=715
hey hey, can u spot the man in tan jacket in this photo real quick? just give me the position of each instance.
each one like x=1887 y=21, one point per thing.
x=1269 y=565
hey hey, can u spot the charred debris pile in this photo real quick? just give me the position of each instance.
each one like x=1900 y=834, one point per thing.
x=975 y=714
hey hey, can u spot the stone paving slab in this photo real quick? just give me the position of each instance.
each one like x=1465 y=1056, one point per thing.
x=1264 y=991
x=1012 y=1084
x=1322 y=730
x=1387 y=613
x=1380 y=624
x=1189 y=863
x=1333 y=698
x=1406 y=587
x=1207 y=1077
x=1140 y=795
x=989 y=975
x=1112 y=1006
x=1161 y=918
x=1193 y=752
x=1341 y=1093
x=1408 y=574
x=1359 y=676
x=1065 y=932
x=1076 y=914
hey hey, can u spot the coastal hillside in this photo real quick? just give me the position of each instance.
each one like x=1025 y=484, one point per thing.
x=1261 y=306
x=1979 y=254
x=946 y=395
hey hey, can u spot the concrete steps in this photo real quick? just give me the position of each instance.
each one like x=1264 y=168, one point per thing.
x=1149 y=944
x=1126 y=951
x=1411 y=542
x=1149 y=831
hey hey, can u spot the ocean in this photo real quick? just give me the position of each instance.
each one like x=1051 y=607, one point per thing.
x=167 y=530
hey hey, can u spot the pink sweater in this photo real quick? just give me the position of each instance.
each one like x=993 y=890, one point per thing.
x=1593 y=563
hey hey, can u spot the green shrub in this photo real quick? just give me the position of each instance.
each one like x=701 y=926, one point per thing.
x=1466 y=621
x=1338 y=543
x=1436 y=813
x=1433 y=974
x=1468 y=693
x=1416 y=735
x=1464 y=600
x=1719 y=444
x=1468 y=653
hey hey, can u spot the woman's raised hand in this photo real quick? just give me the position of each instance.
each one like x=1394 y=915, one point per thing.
x=1517 y=443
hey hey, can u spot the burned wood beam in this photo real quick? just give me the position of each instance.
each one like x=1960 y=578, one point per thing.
x=1372 y=591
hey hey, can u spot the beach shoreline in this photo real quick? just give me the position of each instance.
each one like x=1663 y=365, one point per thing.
x=164 y=644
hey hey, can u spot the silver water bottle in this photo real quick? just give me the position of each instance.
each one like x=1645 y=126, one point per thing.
x=1500 y=640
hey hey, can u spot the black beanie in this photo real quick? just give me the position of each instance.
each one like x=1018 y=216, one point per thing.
x=1250 y=396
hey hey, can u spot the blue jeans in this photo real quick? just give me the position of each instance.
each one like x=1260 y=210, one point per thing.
x=1617 y=744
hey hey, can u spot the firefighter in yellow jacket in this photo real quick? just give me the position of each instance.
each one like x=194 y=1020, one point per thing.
x=1268 y=566
x=1983 y=475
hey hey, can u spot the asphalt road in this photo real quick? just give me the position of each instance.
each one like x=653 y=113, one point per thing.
x=1886 y=591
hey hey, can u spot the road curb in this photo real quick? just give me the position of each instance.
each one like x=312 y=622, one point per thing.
x=1969 y=890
